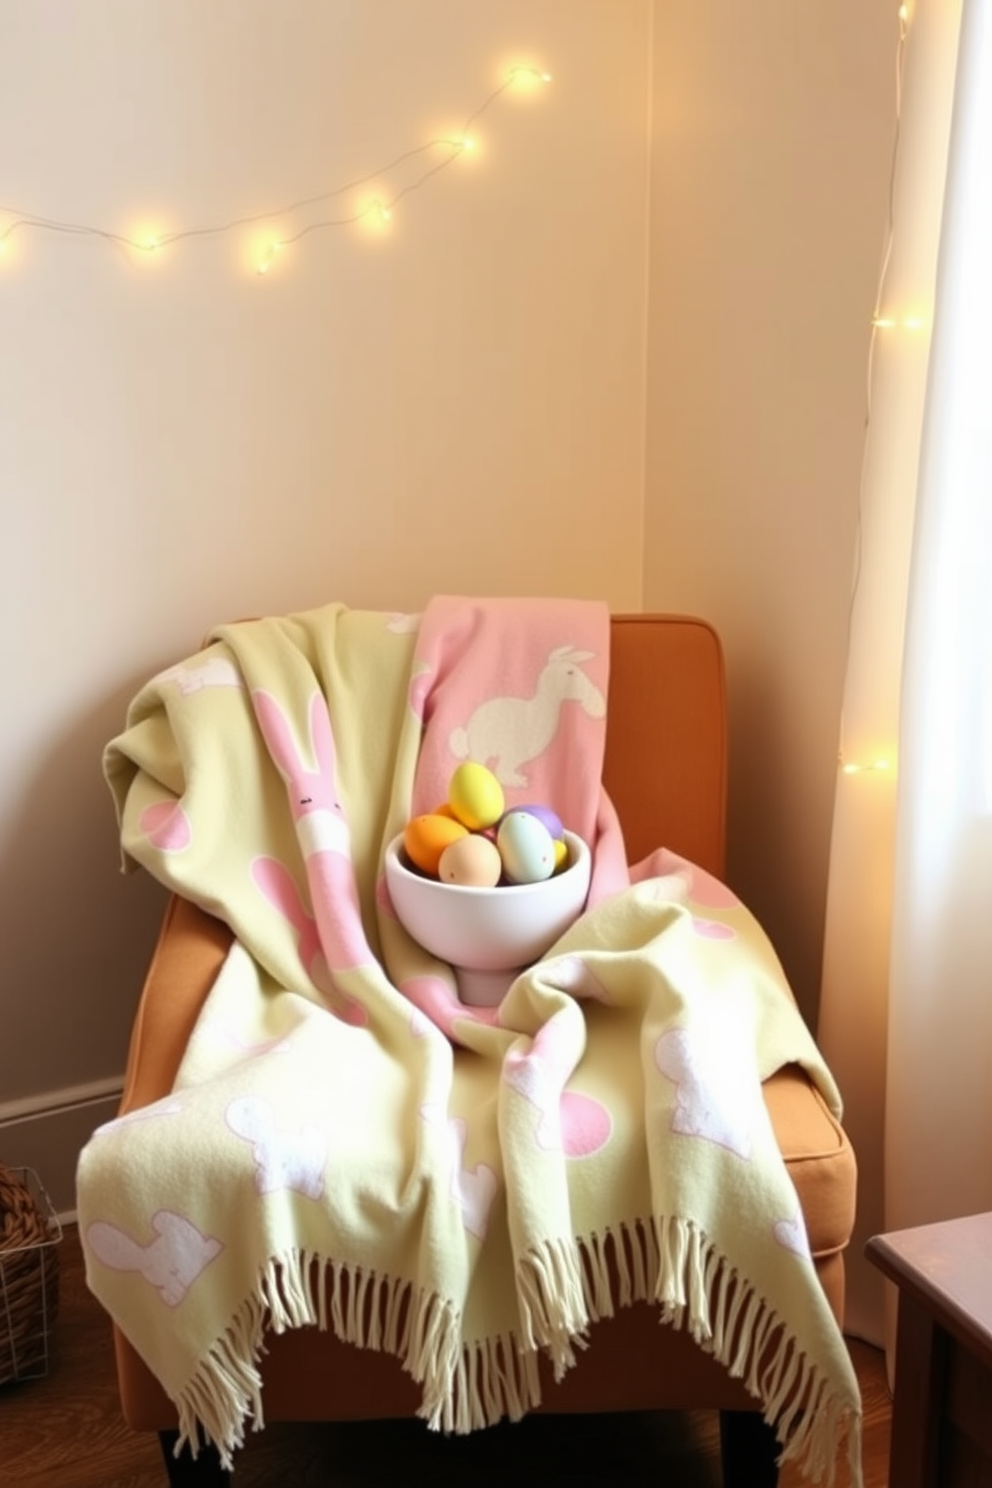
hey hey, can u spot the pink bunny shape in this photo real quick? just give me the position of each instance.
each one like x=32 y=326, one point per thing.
x=279 y=887
x=321 y=828
x=170 y=1263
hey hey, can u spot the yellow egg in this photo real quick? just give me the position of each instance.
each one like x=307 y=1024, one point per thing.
x=472 y=862
x=561 y=854
x=426 y=837
x=475 y=796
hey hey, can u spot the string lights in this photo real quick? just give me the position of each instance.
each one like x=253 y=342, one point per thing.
x=886 y=323
x=377 y=211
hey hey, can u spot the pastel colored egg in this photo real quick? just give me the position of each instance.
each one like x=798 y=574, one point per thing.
x=526 y=848
x=473 y=862
x=475 y=796
x=550 y=818
x=561 y=854
x=425 y=838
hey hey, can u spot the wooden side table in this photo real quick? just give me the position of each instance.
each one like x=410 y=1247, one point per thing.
x=942 y=1407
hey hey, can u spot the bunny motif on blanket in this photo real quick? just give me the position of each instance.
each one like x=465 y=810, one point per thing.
x=285 y=1156
x=216 y=671
x=171 y=1262
x=509 y=732
x=325 y=842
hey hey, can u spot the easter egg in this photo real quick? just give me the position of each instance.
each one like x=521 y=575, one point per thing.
x=544 y=814
x=561 y=854
x=526 y=848
x=425 y=838
x=475 y=796
x=473 y=862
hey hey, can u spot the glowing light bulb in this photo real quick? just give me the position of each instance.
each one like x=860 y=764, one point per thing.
x=528 y=77
x=265 y=262
x=908 y=322
x=879 y=765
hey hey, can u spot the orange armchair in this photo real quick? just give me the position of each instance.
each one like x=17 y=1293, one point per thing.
x=665 y=770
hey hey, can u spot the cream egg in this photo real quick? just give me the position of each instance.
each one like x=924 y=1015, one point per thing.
x=473 y=862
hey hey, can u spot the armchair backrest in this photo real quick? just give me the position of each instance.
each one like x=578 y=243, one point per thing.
x=666 y=737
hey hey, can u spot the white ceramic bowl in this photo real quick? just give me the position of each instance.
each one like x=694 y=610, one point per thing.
x=487 y=935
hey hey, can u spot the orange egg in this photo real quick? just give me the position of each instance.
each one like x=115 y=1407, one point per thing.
x=426 y=837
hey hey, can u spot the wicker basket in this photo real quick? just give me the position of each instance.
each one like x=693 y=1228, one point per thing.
x=29 y=1274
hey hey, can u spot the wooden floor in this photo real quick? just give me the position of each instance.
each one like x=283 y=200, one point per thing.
x=65 y=1431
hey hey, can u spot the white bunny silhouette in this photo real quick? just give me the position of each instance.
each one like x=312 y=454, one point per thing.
x=540 y=1073
x=472 y=1189
x=714 y=1097
x=170 y=1263
x=216 y=671
x=507 y=732
x=287 y=1157
x=322 y=831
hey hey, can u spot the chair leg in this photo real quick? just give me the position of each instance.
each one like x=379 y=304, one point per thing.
x=187 y=1471
x=748 y=1450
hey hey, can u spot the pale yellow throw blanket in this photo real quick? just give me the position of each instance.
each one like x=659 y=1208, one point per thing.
x=346 y=1145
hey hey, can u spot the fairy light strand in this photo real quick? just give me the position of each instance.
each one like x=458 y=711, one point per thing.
x=381 y=207
x=879 y=322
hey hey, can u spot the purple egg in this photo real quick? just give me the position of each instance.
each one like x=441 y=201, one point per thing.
x=547 y=818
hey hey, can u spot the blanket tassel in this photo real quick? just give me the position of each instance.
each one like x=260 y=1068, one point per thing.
x=696 y=1287
x=562 y=1286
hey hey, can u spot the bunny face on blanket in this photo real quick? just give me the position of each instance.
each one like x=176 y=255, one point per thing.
x=488 y=1180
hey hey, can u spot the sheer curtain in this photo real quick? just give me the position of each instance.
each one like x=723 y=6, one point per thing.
x=906 y=1002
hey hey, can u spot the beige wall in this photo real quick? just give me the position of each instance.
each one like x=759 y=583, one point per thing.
x=455 y=405
x=771 y=148
x=513 y=390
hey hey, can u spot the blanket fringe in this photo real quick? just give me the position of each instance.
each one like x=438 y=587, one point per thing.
x=465 y=1387
x=551 y=1287
x=563 y=1285
x=675 y=1264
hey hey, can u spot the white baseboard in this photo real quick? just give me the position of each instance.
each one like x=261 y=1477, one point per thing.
x=46 y=1132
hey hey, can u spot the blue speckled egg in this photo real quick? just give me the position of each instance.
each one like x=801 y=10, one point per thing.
x=526 y=848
